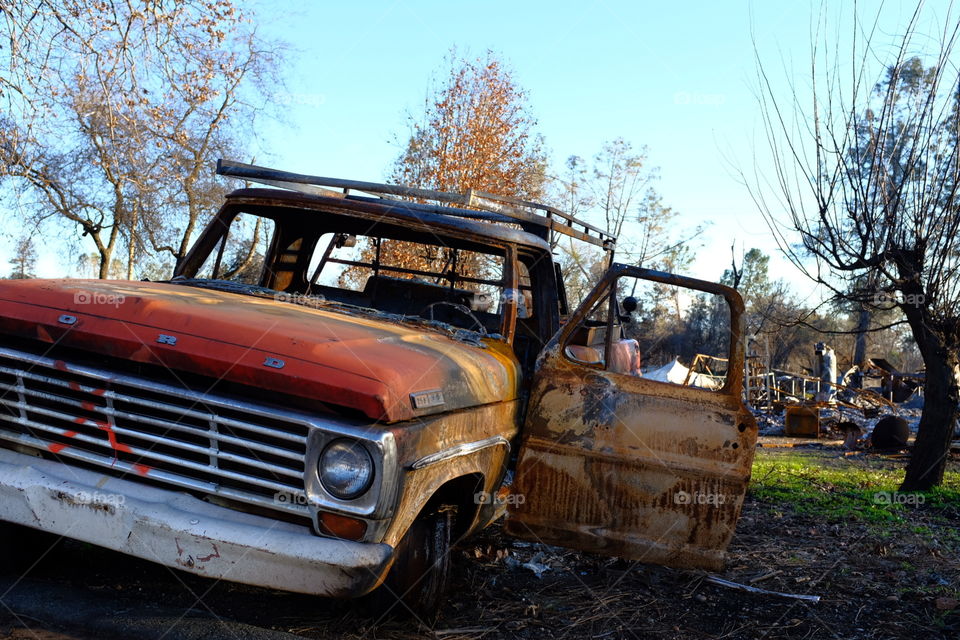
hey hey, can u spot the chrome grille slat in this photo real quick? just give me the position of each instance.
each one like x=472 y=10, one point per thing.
x=187 y=412
x=297 y=506
x=163 y=424
x=154 y=456
x=131 y=426
x=186 y=446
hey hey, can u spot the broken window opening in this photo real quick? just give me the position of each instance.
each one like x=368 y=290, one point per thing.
x=657 y=331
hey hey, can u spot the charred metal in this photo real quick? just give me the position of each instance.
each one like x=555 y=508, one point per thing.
x=317 y=397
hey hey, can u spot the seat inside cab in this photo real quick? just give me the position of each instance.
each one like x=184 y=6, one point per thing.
x=588 y=345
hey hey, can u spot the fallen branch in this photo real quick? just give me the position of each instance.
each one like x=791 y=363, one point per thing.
x=743 y=587
x=765 y=576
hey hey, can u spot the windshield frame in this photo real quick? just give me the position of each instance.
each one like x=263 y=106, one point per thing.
x=287 y=215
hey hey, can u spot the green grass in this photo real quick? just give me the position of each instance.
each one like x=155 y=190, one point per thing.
x=833 y=489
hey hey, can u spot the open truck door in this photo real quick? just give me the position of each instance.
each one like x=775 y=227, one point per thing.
x=637 y=442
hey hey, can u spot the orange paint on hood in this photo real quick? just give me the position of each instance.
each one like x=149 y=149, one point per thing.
x=361 y=362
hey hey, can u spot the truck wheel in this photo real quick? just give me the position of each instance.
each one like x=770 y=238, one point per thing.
x=418 y=578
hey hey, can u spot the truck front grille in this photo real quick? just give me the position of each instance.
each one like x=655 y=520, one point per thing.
x=137 y=428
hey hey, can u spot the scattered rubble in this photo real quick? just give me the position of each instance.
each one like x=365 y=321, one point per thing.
x=873 y=407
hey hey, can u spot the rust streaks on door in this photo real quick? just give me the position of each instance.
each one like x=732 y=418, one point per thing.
x=629 y=466
x=656 y=478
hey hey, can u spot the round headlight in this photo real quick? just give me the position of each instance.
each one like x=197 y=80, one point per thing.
x=345 y=468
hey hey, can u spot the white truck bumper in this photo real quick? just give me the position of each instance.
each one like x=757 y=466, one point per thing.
x=183 y=532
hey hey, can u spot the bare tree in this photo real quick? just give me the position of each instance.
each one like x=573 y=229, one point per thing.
x=619 y=181
x=868 y=176
x=574 y=189
x=779 y=321
x=115 y=109
x=580 y=264
x=24 y=260
x=625 y=195
x=619 y=193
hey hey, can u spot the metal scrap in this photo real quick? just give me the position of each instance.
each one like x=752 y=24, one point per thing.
x=766 y=592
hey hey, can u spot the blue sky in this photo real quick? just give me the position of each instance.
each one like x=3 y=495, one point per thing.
x=677 y=77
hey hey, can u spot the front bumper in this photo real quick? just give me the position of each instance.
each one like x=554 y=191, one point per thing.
x=180 y=531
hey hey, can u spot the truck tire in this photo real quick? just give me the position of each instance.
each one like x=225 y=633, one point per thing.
x=418 y=579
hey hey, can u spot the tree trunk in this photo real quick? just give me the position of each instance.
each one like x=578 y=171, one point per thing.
x=860 y=346
x=928 y=459
x=132 y=248
x=106 y=252
x=104 y=272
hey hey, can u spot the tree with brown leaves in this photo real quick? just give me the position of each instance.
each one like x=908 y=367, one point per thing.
x=476 y=132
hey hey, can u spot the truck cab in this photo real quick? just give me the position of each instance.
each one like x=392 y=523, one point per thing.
x=342 y=379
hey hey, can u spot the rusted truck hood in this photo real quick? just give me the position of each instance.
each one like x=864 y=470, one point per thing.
x=363 y=363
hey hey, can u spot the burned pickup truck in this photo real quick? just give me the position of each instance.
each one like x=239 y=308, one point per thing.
x=342 y=379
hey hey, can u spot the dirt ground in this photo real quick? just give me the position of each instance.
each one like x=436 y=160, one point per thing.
x=891 y=573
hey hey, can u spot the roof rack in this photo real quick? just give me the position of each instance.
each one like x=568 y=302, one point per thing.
x=504 y=208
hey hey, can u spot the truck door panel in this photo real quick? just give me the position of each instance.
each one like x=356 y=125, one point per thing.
x=627 y=451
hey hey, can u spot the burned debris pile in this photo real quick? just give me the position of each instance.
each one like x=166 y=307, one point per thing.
x=874 y=406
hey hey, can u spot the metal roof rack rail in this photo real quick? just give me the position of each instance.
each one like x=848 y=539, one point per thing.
x=506 y=209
